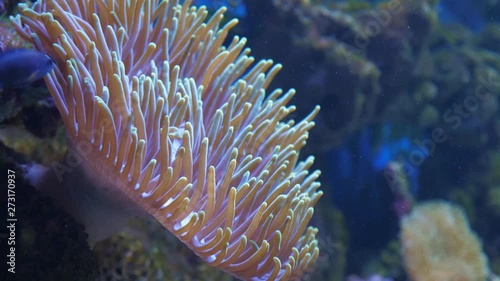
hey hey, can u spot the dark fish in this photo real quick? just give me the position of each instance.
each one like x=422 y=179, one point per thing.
x=20 y=67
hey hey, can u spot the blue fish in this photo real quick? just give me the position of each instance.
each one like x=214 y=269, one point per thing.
x=20 y=67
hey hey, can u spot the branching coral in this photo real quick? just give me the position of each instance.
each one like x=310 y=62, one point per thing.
x=167 y=118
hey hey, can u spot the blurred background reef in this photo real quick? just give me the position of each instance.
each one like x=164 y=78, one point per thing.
x=409 y=128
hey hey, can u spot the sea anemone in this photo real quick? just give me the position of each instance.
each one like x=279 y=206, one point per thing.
x=161 y=118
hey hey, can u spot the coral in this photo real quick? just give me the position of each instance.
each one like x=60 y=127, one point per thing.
x=31 y=129
x=42 y=150
x=438 y=244
x=142 y=252
x=9 y=38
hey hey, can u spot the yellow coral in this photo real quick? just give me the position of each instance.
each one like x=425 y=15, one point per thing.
x=438 y=245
